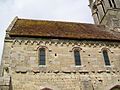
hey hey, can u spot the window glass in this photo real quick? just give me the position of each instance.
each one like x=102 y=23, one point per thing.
x=77 y=57
x=106 y=58
x=42 y=56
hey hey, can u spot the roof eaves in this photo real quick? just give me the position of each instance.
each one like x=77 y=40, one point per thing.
x=71 y=38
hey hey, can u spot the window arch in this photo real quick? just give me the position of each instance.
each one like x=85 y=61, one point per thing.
x=77 y=57
x=42 y=56
x=106 y=57
x=117 y=87
x=46 y=89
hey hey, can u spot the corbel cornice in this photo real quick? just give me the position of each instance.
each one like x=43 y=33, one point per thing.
x=71 y=43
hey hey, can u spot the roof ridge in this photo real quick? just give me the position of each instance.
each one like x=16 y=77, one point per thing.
x=72 y=22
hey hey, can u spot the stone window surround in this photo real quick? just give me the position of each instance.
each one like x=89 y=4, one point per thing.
x=72 y=50
x=108 y=51
x=78 y=49
x=46 y=50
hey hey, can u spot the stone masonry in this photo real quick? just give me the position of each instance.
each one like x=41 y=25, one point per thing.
x=60 y=73
x=4 y=81
x=20 y=69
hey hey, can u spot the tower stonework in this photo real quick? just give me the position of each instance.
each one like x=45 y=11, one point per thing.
x=106 y=12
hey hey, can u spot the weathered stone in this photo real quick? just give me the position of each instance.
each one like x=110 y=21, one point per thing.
x=21 y=69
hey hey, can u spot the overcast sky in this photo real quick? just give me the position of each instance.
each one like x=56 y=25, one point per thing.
x=58 y=10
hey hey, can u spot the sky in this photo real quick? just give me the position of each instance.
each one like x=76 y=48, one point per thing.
x=57 y=10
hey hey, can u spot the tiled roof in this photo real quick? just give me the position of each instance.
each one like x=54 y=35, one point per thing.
x=56 y=29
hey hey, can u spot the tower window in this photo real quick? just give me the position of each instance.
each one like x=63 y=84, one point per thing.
x=106 y=58
x=77 y=57
x=112 y=3
x=42 y=56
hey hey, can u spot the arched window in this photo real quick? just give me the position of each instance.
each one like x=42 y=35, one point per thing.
x=106 y=57
x=42 y=56
x=77 y=57
x=117 y=87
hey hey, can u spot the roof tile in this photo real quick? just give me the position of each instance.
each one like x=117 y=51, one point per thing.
x=56 y=29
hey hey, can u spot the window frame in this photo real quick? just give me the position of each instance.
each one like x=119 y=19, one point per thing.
x=112 y=4
x=77 y=62
x=39 y=56
x=106 y=57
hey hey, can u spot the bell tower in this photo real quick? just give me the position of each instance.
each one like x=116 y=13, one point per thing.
x=106 y=12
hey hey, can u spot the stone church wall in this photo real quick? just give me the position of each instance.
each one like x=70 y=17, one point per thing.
x=5 y=83
x=21 y=61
